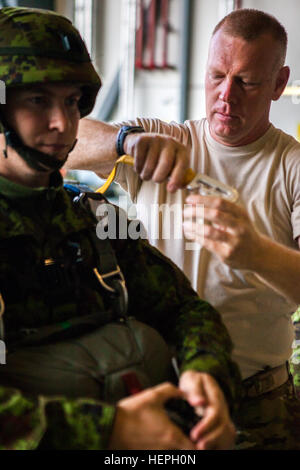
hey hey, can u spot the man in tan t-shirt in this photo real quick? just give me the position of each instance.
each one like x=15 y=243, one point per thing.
x=246 y=261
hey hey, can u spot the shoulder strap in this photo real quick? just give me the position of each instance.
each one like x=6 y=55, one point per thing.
x=109 y=274
x=107 y=271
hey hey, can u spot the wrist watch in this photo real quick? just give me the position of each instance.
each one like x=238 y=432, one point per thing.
x=122 y=134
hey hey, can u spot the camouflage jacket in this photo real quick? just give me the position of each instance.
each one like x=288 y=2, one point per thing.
x=40 y=224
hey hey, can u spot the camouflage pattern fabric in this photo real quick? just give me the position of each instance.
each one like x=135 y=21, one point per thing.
x=38 y=423
x=159 y=295
x=272 y=421
x=295 y=359
x=269 y=422
x=39 y=46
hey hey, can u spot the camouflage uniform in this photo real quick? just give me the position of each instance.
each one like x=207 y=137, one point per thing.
x=295 y=359
x=159 y=295
x=48 y=253
x=272 y=420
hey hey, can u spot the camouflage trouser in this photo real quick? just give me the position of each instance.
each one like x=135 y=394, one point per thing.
x=295 y=359
x=270 y=421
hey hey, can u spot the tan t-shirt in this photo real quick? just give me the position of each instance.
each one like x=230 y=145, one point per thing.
x=266 y=174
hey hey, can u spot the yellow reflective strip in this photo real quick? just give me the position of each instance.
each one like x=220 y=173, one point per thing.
x=2 y=305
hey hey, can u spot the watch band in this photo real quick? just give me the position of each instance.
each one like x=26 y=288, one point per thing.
x=122 y=134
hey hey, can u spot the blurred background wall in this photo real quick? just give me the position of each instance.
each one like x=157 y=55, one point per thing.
x=169 y=83
x=151 y=54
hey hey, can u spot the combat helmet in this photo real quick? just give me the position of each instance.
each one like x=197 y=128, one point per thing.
x=37 y=47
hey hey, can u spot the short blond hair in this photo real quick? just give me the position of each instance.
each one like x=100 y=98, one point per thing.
x=249 y=24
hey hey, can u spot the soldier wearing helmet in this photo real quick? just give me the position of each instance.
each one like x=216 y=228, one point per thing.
x=66 y=318
x=38 y=49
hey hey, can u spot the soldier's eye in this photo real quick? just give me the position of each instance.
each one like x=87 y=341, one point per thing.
x=73 y=101
x=37 y=99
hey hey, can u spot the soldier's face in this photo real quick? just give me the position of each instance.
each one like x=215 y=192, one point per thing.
x=45 y=117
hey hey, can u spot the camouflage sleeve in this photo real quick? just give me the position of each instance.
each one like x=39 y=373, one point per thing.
x=203 y=344
x=164 y=298
x=52 y=423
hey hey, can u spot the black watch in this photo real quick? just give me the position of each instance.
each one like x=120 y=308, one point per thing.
x=122 y=134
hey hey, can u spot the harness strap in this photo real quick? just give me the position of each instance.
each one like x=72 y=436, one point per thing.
x=189 y=176
x=107 y=271
x=110 y=275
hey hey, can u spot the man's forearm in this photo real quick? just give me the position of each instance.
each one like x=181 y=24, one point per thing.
x=279 y=266
x=95 y=149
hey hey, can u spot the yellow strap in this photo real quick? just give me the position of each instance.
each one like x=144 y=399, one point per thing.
x=190 y=174
x=124 y=159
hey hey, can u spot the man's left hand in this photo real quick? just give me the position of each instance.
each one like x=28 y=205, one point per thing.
x=226 y=230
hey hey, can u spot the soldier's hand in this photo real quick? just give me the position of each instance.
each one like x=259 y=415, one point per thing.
x=158 y=157
x=215 y=431
x=142 y=423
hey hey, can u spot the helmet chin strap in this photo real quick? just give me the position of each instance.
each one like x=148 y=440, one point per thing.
x=37 y=160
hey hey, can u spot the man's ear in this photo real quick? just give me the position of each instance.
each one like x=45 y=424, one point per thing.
x=281 y=82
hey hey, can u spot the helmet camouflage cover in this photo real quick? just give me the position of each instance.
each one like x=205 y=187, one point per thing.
x=40 y=46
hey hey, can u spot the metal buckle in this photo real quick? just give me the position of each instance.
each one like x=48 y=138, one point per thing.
x=119 y=287
x=207 y=186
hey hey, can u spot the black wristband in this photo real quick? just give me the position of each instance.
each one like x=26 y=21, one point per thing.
x=122 y=134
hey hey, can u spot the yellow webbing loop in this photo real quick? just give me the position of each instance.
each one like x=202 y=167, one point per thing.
x=190 y=174
x=124 y=159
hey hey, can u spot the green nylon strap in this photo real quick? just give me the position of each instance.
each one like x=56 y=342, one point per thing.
x=52 y=54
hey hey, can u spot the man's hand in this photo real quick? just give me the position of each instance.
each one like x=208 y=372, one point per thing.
x=158 y=157
x=142 y=423
x=226 y=230
x=215 y=431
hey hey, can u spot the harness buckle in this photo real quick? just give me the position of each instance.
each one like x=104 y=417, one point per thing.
x=114 y=282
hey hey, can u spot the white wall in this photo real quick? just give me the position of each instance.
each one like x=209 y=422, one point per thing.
x=284 y=113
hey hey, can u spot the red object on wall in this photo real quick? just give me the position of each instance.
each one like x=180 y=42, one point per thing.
x=152 y=16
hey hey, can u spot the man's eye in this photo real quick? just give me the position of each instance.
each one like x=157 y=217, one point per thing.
x=247 y=83
x=216 y=77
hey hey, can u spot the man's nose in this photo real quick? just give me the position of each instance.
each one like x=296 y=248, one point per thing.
x=228 y=91
x=58 y=118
